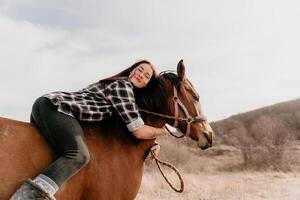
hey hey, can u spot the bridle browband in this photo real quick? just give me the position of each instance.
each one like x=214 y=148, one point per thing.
x=188 y=118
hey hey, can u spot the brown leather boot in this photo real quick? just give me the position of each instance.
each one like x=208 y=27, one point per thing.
x=31 y=191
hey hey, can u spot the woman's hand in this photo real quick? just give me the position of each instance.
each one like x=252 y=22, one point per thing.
x=148 y=132
x=153 y=151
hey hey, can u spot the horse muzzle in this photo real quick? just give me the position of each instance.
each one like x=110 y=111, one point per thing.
x=205 y=139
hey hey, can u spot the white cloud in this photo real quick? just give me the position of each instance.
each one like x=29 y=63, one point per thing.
x=36 y=60
x=240 y=55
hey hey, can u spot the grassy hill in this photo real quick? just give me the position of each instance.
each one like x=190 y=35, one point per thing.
x=262 y=135
x=264 y=139
x=280 y=117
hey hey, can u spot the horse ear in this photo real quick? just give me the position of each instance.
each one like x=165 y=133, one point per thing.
x=181 y=70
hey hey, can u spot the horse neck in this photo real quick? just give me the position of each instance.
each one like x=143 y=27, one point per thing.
x=107 y=140
x=112 y=137
x=115 y=152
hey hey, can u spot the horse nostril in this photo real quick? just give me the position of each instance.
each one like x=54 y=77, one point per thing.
x=209 y=137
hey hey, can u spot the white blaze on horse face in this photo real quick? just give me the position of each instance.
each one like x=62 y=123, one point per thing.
x=141 y=75
x=205 y=126
x=206 y=129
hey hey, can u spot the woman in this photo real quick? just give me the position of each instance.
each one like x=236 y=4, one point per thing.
x=57 y=115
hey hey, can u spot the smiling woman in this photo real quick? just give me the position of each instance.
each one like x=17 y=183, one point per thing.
x=141 y=75
x=116 y=155
x=58 y=116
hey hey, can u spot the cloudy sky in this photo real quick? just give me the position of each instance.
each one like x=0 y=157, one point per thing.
x=239 y=54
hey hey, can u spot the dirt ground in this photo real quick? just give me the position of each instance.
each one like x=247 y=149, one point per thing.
x=211 y=183
x=226 y=186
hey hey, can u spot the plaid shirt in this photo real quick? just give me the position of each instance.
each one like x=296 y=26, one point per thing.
x=98 y=101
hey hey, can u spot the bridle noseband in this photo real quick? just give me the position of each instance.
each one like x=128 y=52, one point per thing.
x=188 y=118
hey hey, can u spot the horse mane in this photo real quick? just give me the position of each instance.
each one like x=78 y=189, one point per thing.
x=172 y=77
x=154 y=96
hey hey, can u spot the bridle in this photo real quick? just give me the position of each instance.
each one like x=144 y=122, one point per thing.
x=188 y=118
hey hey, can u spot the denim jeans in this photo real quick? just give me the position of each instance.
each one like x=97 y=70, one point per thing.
x=66 y=137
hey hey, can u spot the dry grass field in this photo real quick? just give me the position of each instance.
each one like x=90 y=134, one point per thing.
x=219 y=180
x=226 y=186
x=256 y=156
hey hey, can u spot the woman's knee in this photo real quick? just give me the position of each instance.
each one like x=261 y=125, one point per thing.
x=81 y=157
x=84 y=157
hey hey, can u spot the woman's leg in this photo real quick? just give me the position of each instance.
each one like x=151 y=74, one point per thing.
x=65 y=135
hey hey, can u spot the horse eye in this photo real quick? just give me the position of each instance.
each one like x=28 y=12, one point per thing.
x=196 y=98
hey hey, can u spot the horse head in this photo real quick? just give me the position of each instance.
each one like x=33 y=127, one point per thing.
x=196 y=125
x=173 y=99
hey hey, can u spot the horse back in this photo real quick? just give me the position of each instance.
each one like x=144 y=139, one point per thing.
x=23 y=153
x=114 y=171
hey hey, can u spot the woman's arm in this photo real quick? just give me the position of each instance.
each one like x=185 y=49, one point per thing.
x=148 y=132
x=121 y=96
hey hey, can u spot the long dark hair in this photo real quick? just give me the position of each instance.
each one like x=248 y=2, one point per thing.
x=152 y=96
x=126 y=72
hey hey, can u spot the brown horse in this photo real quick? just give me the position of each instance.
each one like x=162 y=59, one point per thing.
x=117 y=157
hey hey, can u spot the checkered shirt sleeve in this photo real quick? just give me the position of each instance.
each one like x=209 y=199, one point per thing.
x=120 y=95
x=98 y=101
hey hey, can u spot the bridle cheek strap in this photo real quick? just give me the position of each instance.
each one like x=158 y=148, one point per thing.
x=177 y=102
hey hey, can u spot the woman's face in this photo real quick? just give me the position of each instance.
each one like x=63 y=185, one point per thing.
x=141 y=75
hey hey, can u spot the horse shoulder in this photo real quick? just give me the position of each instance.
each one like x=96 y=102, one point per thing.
x=116 y=167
